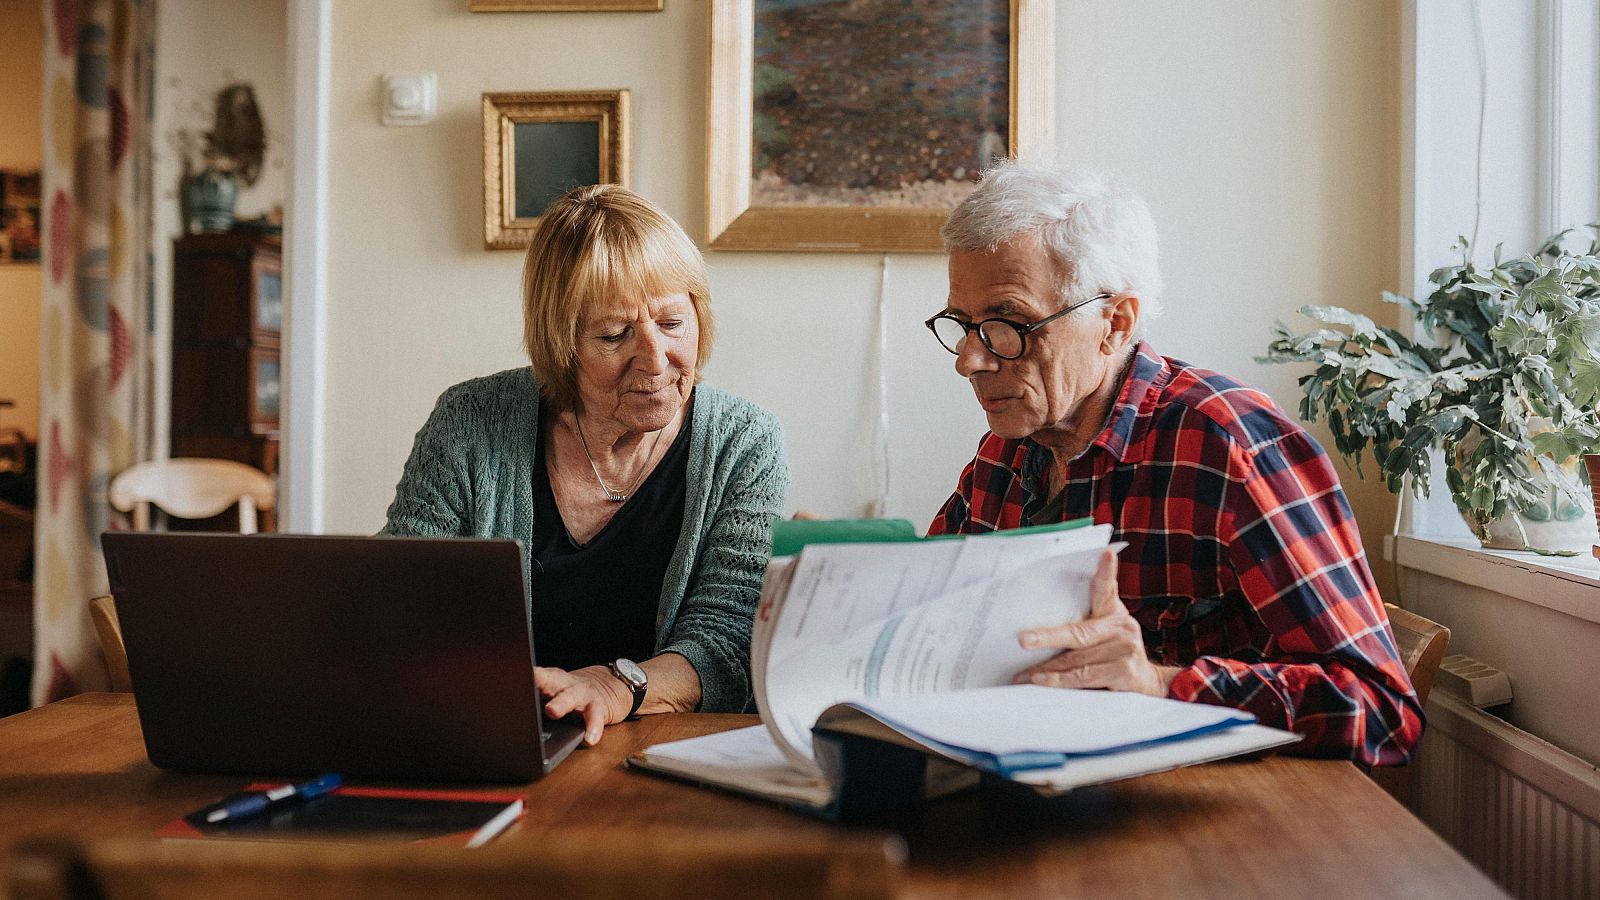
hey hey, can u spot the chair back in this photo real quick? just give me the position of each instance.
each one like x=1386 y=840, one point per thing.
x=103 y=612
x=1422 y=643
x=13 y=450
x=192 y=488
x=637 y=864
x=13 y=444
x=16 y=541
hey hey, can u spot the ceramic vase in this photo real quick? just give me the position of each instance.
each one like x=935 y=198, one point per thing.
x=209 y=196
x=1562 y=520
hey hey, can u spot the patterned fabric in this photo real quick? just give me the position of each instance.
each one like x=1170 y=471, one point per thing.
x=1243 y=565
x=95 y=381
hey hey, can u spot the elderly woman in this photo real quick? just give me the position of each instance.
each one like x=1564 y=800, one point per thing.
x=645 y=500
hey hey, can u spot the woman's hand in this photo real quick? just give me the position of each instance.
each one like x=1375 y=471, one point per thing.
x=601 y=697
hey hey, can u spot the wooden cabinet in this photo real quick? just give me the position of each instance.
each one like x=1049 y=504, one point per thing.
x=227 y=324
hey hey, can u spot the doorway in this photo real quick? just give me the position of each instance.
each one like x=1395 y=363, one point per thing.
x=221 y=186
x=22 y=35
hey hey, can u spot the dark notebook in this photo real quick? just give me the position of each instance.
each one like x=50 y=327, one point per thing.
x=365 y=814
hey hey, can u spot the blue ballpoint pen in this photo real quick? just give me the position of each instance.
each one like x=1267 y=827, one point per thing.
x=249 y=803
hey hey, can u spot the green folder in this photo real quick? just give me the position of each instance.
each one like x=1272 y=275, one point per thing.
x=790 y=535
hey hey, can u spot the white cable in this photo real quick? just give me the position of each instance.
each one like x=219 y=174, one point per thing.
x=880 y=505
x=1483 y=105
x=1394 y=552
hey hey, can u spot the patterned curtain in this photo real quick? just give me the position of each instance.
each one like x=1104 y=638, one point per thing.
x=94 y=405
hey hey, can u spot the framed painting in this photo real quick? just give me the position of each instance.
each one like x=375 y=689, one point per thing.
x=19 y=216
x=858 y=126
x=538 y=146
x=564 y=5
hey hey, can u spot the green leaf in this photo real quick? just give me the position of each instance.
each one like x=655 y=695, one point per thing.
x=1558 y=445
x=1521 y=335
x=1335 y=315
x=1585 y=378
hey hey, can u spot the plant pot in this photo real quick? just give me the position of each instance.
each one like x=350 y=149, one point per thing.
x=1562 y=521
x=1591 y=462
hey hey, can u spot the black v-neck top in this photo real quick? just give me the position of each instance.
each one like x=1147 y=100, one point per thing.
x=596 y=602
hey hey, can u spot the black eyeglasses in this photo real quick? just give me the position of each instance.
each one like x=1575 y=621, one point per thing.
x=1002 y=337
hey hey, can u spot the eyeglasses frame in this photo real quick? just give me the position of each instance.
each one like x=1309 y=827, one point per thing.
x=1022 y=330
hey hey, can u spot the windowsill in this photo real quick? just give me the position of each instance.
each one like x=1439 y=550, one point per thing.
x=1569 y=585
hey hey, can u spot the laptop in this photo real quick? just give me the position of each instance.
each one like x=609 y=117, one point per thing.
x=397 y=658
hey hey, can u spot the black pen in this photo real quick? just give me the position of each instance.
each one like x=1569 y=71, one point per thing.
x=249 y=803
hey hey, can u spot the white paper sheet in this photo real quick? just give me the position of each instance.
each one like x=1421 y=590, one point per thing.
x=865 y=620
x=744 y=759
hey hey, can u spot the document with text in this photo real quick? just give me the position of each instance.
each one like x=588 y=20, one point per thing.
x=915 y=643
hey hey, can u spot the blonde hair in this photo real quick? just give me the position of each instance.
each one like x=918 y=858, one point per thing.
x=592 y=245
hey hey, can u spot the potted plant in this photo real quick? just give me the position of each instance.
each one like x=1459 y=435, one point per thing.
x=1504 y=382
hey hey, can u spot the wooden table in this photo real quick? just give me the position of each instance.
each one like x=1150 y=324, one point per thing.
x=1264 y=828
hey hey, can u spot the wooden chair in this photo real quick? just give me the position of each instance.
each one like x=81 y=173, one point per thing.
x=13 y=444
x=193 y=489
x=16 y=543
x=1422 y=643
x=16 y=606
x=640 y=864
x=13 y=450
x=103 y=612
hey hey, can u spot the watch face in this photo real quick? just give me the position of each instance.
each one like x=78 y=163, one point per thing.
x=632 y=673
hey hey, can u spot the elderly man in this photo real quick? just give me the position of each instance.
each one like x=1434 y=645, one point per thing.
x=1244 y=582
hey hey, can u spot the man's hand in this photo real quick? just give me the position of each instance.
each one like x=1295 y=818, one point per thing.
x=600 y=696
x=1105 y=650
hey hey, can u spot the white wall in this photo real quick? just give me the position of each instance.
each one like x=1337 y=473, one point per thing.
x=1265 y=140
x=21 y=147
x=202 y=46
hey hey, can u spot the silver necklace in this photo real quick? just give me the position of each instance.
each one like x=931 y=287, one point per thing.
x=613 y=496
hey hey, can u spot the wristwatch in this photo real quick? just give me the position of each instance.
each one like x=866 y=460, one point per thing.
x=631 y=674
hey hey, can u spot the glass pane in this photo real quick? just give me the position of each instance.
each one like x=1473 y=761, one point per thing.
x=1004 y=339
x=268 y=389
x=269 y=301
x=950 y=333
x=552 y=158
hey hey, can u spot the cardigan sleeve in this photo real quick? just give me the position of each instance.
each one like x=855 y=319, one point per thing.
x=434 y=493
x=713 y=627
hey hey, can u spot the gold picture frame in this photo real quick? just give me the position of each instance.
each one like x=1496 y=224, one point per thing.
x=564 y=5
x=736 y=220
x=537 y=145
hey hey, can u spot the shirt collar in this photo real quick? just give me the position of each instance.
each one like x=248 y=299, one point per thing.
x=1141 y=388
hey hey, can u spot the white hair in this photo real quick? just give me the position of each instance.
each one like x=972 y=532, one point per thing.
x=1100 y=236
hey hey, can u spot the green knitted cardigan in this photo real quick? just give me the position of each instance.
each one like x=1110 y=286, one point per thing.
x=471 y=474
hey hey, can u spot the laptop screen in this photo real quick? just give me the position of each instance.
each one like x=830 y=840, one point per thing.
x=378 y=657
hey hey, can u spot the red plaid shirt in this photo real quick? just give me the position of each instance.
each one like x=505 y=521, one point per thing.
x=1243 y=563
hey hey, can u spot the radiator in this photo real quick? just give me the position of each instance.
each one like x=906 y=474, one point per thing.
x=1523 y=810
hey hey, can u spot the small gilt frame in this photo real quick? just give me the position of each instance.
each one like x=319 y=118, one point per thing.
x=564 y=5
x=593 y=149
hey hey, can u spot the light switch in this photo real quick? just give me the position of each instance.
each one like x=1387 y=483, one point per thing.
x=410 y=98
